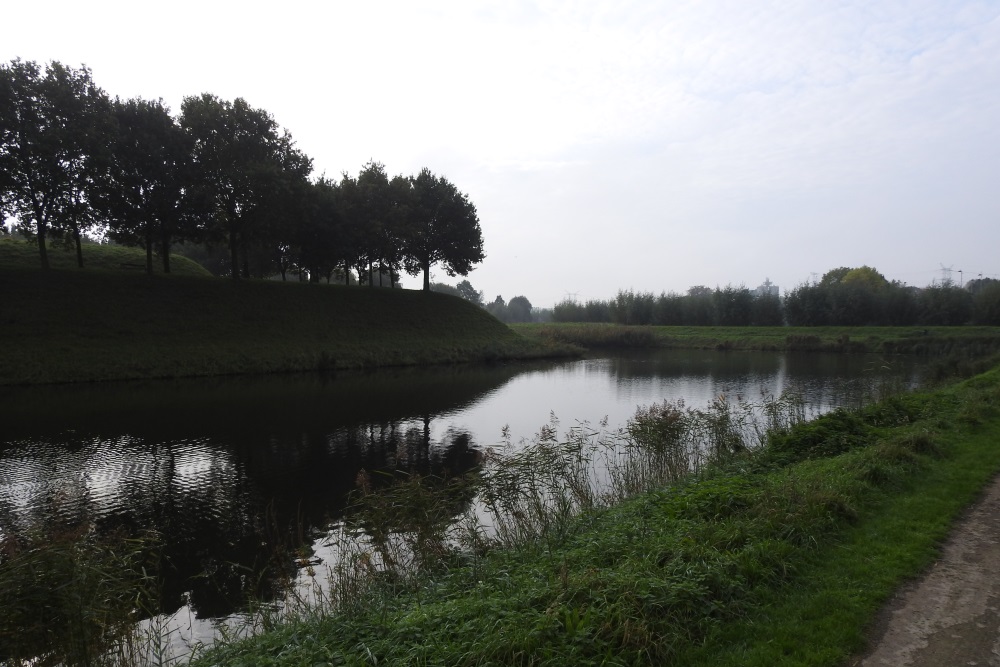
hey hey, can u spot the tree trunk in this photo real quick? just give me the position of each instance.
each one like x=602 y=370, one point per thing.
x=245 y=254
x=165 y=254
x=149 y=255
x=427 y=275
x=76 y=242
x=234 y=256
x=42 y=252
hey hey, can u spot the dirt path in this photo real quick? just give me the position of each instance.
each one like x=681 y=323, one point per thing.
x=950 y=617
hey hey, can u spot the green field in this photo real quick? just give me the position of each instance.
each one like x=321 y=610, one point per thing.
x=976 y=340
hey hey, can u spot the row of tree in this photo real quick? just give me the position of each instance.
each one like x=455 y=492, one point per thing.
x=73 y=161
x=701 y=306
x=844 y=297
x=518 y=309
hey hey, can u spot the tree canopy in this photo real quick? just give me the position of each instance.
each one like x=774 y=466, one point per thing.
x=246 y=169
x=444 y=228
x=221 y=174
x=53 y=133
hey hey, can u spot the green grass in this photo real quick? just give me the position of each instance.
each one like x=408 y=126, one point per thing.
x=18 y=253
x=71 y=325
x=779 y=557
x=976 y=340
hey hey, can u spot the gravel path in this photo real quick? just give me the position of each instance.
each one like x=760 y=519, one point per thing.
x=950 y=617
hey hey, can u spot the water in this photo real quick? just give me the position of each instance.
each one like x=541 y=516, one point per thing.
x=226 y=469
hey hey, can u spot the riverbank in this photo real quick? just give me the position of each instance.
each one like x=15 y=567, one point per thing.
x=778 y=557
x=90 y=325
x=974 y=340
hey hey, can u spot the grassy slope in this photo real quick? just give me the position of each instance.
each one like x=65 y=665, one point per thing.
x=20 y=254
x=71 y=325
x=778 y=559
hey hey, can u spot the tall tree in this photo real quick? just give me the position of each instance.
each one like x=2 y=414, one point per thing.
x=356 y=238
x=444 y=228
x=246 y=168
x=53 y=127
x=396 y=230
x=147 y=194
x=319 y=231
x=375 y=216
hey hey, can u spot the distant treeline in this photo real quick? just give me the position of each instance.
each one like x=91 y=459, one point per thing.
x=74 y=162
x=518 y=309
x=844 y=297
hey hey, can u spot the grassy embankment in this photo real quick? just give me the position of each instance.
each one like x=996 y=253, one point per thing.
x=17 y=253
x=105 y=323
x=975 y=340
x=776 y=557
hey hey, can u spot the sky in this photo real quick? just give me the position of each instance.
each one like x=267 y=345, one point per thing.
x=610 y=145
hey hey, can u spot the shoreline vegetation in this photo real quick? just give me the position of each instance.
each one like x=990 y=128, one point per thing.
x=778 y=549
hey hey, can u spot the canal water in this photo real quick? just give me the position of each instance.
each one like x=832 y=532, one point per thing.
x=225 y=468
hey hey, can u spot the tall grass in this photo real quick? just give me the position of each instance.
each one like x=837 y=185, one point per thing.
x=525 y=496
x=75 y=598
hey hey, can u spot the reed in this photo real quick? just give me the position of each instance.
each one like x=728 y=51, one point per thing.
x=75 y=598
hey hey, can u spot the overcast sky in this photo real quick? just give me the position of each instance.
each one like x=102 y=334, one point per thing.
x=610 y=145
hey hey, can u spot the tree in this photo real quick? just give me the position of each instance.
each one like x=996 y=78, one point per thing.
x=445 y=288
x=498 y=308
x=699 y=308
x=146 y=193
x=444 y=228
x=357 y=238
x=767 y=311
x=834 y=276
x=669 y=309
x=469 y=293
x=631 y=308
x=319 y=231
x=807 y=306
x=53 y=128
x=986 y=302
x=945 y=305
x=733 y=306
x=384 y=213
x=247 y=170
x=866 y=276
x=519 y=309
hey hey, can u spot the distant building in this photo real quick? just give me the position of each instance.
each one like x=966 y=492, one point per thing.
x=767 y=289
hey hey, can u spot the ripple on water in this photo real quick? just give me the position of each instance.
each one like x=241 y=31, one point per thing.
x=74 y=479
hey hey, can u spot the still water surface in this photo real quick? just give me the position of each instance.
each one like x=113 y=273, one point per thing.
x=223 y=468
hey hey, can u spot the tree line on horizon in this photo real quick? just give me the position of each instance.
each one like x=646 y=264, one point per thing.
x=843 y=297
x=74 y=162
